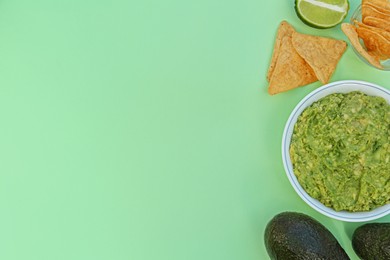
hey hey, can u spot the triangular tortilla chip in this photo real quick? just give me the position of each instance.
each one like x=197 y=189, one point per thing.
x=375 y=42
x=377 y=22
x=291 y=71
x=385 y=4
x=322 y=54
x=380 y=31
x=369 y=10
x=285 y=29
x=350 y=31
x=377 y=8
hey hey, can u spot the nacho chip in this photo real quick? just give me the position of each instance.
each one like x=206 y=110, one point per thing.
x=385 y=4
x=378 y=8
x=322 y=54
x=380 y=31
x=377 y=22
x=375 y=42
x=350 y=31
x=291 y=70
x=285 y=29
x=369 y=10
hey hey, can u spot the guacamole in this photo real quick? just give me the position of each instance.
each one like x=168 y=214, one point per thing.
x=340 y=151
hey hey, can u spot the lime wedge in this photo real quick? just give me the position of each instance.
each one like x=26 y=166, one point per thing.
x=322 y=13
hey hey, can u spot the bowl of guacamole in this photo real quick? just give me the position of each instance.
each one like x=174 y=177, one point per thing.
x=336 y=150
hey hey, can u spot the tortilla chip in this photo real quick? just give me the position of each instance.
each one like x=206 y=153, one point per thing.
x=322 y=54
x=350 y=31
x=380 y=31
x=377 y=22
x=375 y=42
x=385 y=4
x=285 y=29
x=369 y=10
x=378 y=8
x=291 y=70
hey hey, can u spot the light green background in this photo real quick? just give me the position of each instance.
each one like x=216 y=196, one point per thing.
x=143 y=130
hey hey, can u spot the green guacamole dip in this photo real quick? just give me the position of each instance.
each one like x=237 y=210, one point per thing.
x=340 y=151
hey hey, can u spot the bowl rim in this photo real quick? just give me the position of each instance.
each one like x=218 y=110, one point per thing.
x=287 y=133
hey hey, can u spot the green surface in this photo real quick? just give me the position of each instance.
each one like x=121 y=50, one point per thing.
x=143 y=129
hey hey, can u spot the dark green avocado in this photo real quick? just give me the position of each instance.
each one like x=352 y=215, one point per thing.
x=372 y=241
x=293 y=236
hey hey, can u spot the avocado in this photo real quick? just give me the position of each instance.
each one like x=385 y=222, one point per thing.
x=372 y=241
x=292 y=235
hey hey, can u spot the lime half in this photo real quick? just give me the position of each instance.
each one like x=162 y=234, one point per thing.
x=322 y=13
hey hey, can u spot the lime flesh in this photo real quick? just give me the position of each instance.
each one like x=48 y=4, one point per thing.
x=322 y=13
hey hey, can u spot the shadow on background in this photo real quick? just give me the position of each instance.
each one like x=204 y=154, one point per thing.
x=349 y=228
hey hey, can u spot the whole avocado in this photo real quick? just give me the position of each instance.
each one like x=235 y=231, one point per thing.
x=293 y=236
x=372 y=241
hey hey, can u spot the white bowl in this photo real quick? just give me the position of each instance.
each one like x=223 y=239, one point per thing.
x=335 y=87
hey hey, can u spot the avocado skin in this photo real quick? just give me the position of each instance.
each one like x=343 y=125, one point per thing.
x=372 y=241
x=296 y=236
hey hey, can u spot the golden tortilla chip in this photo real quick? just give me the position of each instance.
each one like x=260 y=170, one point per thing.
x=291 y=70
x=322 y=54
x=350 y=31
x=285 y=29
x=369 y=10
x=380 y=31
x=378 y=8
x=377 y=22
x=375 y=42
x=385 y=4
